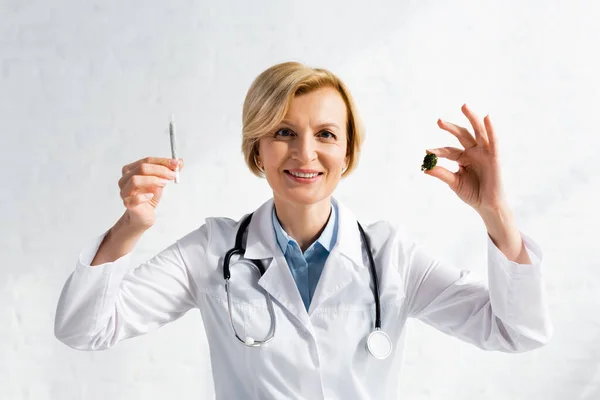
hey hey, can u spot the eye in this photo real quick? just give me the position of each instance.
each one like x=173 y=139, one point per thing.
x=331 y=135
x=284 y=132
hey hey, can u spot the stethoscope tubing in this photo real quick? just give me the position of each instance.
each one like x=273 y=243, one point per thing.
x=240 y=250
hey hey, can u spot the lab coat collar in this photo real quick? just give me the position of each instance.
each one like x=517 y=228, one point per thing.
x=261 y=242
x=278 y=280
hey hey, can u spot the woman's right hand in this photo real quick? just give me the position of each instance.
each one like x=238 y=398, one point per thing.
x=142 y=184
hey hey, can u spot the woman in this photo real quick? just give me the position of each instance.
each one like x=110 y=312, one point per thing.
x=302 y=133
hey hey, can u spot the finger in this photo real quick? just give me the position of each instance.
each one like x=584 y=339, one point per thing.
x=142 y=184
x=451 y=153
x=443 y=174
x=137 y=199
x=491 y=134
x=148 y=169
x=151 y=160
x=462 y=134
x=480 y=134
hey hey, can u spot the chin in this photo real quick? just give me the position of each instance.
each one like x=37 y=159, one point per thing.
x=304 y=198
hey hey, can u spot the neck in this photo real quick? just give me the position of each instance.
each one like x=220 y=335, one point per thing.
x=303 y=222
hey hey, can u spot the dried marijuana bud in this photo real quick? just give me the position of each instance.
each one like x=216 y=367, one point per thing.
x=429 y=161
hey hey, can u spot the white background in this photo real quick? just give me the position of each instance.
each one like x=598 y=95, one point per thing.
x=86 y=87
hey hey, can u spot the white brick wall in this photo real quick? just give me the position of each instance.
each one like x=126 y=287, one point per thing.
x=88 y=87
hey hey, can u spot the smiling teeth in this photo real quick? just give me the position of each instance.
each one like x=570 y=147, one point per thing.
x=300 y=175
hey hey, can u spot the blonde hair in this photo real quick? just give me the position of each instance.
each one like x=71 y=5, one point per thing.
x=268 y=100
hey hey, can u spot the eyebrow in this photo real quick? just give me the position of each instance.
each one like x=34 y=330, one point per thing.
x=319 y=126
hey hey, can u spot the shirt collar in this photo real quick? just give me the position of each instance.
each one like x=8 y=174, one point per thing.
x=261 y=242
x=326 y=240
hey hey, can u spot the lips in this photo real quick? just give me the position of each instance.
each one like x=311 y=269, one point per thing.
x=300 y=180
x=287 y=171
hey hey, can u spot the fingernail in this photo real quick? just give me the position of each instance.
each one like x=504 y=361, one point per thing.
x=174 y=162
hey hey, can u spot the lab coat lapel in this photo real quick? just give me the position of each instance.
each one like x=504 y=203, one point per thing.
x=345 y=256
x=277 y=280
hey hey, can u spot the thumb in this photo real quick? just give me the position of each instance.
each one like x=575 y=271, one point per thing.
x=442 y=174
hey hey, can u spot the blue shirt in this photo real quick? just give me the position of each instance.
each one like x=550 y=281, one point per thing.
x=306 y=267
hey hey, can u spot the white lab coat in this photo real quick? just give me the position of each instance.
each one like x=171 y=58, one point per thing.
x=319 y=354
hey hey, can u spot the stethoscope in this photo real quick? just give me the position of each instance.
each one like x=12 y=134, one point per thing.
x=378 y=345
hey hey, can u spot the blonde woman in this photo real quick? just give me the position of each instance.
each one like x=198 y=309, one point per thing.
x=309 y=304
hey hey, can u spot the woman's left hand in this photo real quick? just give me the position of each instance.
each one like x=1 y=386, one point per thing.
x=477 y=181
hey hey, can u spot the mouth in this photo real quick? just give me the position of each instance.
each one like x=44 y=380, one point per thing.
x=302 y=177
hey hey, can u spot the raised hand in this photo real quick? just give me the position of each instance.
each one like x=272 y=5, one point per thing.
x=478 y=180
x=142 y=185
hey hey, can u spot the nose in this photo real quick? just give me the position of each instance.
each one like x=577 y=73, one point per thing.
x=304 y=149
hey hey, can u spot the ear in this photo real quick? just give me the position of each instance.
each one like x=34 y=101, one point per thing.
x=256 y=158
x=256 y=151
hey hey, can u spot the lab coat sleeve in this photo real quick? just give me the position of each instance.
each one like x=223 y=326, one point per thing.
x=509 y=314
x=104 y=304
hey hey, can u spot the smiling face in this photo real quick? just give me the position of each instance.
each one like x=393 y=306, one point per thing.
x=305 y=156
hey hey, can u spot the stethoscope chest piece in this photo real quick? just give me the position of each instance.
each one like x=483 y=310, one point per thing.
x=379 y=344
